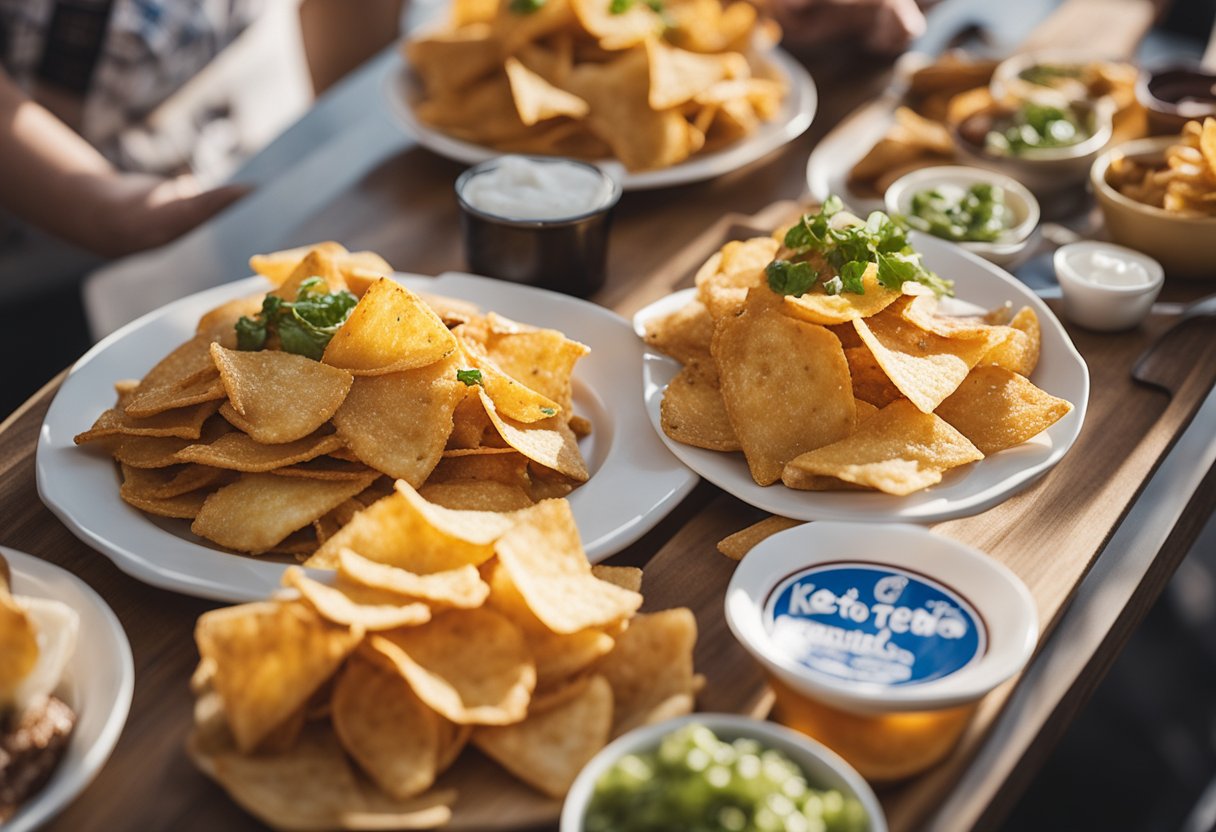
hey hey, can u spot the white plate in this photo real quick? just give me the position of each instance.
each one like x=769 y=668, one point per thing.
x=97 y=684
x=791 y=121
x=964 y=491
x=827 y=168
x=634 y=481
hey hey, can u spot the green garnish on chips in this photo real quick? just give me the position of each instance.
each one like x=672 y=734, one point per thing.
x=304 y=326
x=848 y=246
x=525 y=6
x=469 y=377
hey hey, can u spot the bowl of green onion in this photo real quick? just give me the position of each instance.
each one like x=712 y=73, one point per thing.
x=985 y=212
x=719 y=772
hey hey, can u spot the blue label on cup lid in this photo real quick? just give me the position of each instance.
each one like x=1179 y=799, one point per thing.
x=877 y=624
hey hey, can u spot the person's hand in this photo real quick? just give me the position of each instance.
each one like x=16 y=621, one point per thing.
x=880 y=26
x=139 y=211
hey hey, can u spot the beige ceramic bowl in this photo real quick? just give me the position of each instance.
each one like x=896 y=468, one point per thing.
x=1184 y=245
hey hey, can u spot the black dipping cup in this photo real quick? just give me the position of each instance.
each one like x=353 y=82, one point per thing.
x=567 y=255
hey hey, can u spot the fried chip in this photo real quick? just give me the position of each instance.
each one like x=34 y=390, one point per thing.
x=163 y=385
x=354 y=605
x=389 y=732
x=615 y=29
x=545 y=561
x=184 y=423
x=558 y=656
x=182 y=507
x=818 y=307
x=626 y=577
x=543 y=359
x=260 y=510
x=166 y=483
x=736 y=545
x=327 y=468
x=450 y=61
x=651 y=663
x=399 y=423
x=18 y=643
x=277 y=266
x=269 y=657
x=405 y=530
x=536 y=99
x=472 y=666
x=549 y=442
x=314 y=788
x=684 y=334
x=152 y=451
x=996 y=409
x=694 y=412
x=870 y=382
x=241 y=452
x=899 y=450
x=547 y=750
x=924 y=367
x=785 y=384
x=390 y=330
x=678 y=76
x=512 y=398
x=278 y=397
x=477 y=495
x=502 y=465
x=1020 y=353
x=459 y=587
x=318 y=262
x=206 y=388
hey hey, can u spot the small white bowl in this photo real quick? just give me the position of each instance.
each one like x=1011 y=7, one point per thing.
x=1102 y=307
x=1010 y=245
x=823 y=768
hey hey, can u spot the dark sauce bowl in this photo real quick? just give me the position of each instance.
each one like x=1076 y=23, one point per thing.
x=1176 y=94
x=568 y=254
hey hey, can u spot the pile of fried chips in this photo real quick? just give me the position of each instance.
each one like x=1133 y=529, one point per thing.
x=869 y=391
x=1183 y=182
x=341 y=706
x=649 y=85
x=955 y=87
x=266 y=451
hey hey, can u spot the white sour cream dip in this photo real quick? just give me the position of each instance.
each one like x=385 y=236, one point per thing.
x=1108 y=267
x=519 y=188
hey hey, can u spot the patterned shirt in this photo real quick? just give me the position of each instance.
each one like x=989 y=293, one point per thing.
x=149 y=50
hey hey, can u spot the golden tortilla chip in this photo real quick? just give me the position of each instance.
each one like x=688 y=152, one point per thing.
x=678 y=76
x=899 y=450
x=924 y=367
x=512 y=398
x=18 y=643
x=503 y=465
x=818 y=307
x=276 y=396
x=536 y=99
x=219 y=323
x=182 y=507
x=278 y=266
x=184 y=423
x=166 y=483
x=785 y=384
x=626 y=577
x=399 y=423
x=388 y=731
x=997 y=409
x=459 y=587
x=545 y=561
x=159 y=390
x=1019 y=354
x=241 y=452
x=693 y=411
x=651 y=663
x=327 y=468
x=472 y=666
x=259 y=510
x=736 y=545
x=153 y=451
x=477 y=495
x=452 y=60
x=269 y=657
x=870 y=382
x=638 y=24
x=206 y=388
x=543 y=359
x=405 y=530
x=547 y=750
x=390 y=330
x=319 y=262
x=354 y=605
x=684 y=335
x=549 y=442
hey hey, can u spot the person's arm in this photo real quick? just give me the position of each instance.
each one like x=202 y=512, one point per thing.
x=881 y=26
x=53 y=179
x=340 y=35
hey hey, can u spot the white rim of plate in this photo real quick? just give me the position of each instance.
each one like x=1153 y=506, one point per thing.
x=1002 y=601
x=796 y=114
x=926 y=506
x=73 y=776
x=181 y=564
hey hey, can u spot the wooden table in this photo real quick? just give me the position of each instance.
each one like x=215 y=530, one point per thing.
x=403 y=208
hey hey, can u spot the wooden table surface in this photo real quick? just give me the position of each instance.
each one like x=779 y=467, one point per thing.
x=404 y=209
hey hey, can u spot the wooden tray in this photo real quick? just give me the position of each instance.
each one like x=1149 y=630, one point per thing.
x=1049 y=534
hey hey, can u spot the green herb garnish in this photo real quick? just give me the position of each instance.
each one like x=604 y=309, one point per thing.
x=525 y=6
x=849 y=247
x=979 y=215
x=304 y=326
x=469 y=377
x=622 y=6
x=549 y=411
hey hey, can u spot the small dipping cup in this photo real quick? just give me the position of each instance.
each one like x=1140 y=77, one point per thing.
x=564 y=253
x=1105 y=306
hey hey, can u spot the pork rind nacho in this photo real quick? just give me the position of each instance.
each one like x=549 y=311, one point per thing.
x=650 y=82
x=827 y=360
x=353 y=704
x=286 y=415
